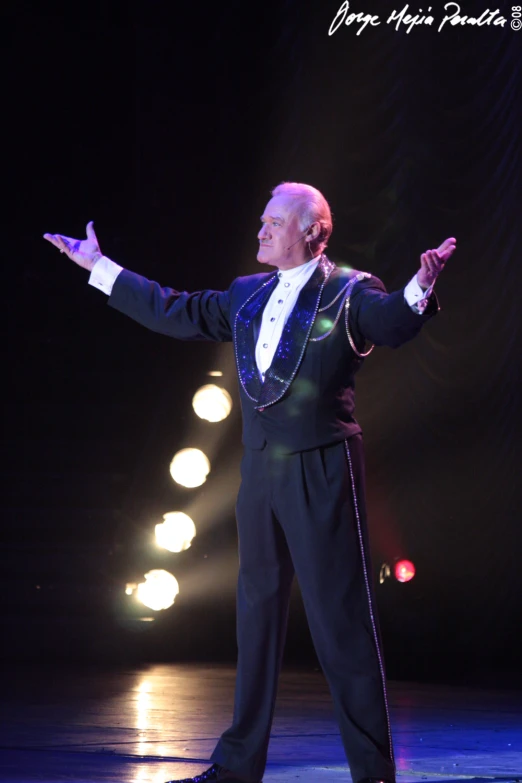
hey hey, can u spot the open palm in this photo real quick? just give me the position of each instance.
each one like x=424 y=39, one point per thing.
x=433 y=261
x=84 y=252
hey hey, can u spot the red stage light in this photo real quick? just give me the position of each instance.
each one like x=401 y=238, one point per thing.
x=404 y=570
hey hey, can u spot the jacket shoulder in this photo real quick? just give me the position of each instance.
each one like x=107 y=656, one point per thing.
x=243 y=287
x=342 y=275
x=253 y=280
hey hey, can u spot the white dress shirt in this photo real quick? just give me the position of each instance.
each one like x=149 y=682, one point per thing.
x=278 y=308
x=104 y=274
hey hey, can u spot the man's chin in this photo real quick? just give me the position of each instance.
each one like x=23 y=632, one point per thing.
x=263 y=257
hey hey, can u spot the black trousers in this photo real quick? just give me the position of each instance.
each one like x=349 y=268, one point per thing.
x=306 y=512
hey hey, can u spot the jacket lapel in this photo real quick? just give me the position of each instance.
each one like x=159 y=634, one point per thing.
x=292 y=344
x=245 y=337
x=294 y=339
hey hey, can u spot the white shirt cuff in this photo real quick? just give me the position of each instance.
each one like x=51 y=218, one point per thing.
x=416 y=297
x=104 y=274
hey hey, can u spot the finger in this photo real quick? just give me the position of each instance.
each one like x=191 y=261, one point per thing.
x=448 y=241
x=62 y=244
x=56 y=240
x=448 y=245
x=435 y=260
x=51 y=238
x=65 y=244
x=447 y=252
x=431 y=262
x=90 y=231
x=427 y=267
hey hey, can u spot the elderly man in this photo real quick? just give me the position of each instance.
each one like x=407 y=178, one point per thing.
x=300 y=334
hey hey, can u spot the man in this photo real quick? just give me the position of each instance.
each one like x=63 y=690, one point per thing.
x=299 y=337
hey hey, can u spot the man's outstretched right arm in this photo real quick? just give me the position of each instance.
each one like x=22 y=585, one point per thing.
x=204 y=315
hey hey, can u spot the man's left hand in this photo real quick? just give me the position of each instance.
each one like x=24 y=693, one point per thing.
x=433 y=262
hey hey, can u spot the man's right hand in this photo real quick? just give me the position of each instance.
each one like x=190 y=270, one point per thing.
x=84 y=252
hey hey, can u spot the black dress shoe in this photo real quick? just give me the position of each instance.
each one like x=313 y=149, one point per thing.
x=214 y=774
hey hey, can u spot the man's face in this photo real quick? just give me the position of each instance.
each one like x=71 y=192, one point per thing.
x=281 y=241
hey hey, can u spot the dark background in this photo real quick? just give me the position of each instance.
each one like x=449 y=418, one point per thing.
x=168 y=124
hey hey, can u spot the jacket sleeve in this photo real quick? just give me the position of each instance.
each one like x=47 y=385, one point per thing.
x=203 y=315
x=385 y=319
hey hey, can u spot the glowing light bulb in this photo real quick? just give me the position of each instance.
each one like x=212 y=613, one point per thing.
x=159 y=590
x=176 y=532
x=212 y=402
x=190 y=467
x=404 y=571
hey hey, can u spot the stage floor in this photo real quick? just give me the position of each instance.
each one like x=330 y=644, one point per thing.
x=154 y=722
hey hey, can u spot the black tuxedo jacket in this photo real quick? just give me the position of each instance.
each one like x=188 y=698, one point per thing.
x=307 y=398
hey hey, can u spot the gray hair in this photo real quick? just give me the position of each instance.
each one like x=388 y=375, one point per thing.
x=311 y=207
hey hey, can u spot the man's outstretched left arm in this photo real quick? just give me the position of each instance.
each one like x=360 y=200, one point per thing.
x=392 y=319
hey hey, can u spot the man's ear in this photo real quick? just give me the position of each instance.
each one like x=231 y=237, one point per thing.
x=313 y=232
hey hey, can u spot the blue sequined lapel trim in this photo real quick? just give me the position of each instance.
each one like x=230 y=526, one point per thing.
x=294 y=339
x=244 y=338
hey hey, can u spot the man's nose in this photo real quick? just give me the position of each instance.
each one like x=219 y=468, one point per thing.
x=263 y=232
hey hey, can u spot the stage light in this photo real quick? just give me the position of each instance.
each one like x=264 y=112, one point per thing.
x=158 y=591
x=176 y=532
x=190 y=468
x=404 y=570
x=212 y=403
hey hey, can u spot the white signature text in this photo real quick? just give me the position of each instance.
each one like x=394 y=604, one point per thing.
x=405 y=20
